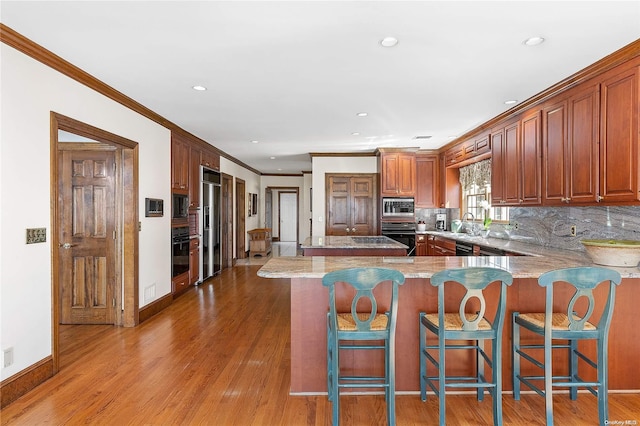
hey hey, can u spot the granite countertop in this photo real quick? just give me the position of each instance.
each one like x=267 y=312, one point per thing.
x=353 y=242
x=537 y=260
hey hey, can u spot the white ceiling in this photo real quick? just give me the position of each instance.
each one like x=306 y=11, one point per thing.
x=294 y=74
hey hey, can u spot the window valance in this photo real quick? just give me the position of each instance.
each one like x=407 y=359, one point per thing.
x=476 y=174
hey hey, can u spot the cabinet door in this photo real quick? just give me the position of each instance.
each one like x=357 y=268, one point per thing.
x=194 y=261
x=555 y=134
x=497 y=167
x=389 y=174
x=426 y=181
x=194 y=187
x=179 y=165
x=363 y=217
x=619 y=137
x=351 y=207
x=582 y=152
x=210 y=160
x=338 y=205
x=421 y=245
x=511 y=158
x=406 y=174
x=530 y=162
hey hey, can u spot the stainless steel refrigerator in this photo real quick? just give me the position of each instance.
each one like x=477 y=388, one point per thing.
x=210 y=246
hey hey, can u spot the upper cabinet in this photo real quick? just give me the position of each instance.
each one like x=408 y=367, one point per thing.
x=516 y=162
x=210 y=160
x=590 y=138
x=194 y=187
x=397 y=173
x=619 y=136
x=180 y=155
x=570 y=135
x=427 y=181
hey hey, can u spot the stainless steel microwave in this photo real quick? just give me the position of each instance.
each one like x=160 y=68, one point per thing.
x=398 y=207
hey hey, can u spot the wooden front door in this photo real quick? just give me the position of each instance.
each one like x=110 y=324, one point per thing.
x=87 y=236
x=351 y=206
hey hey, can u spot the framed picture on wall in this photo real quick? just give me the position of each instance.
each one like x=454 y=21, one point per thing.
x=250 y=204
x=254 y=204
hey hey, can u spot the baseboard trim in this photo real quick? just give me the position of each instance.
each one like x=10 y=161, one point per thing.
x=20 y=383
x=155 y=307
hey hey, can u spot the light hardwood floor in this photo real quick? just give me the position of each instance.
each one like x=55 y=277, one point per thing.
x=219 y=355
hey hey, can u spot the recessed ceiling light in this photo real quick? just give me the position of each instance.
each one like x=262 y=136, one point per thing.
x=511 y=102
x=199 y=88
x=388 y=42
x=279 y=170
x=254 y=141
x=533 y=41
x=272 y=158
x=422 y=137
x=355 y=134
x=362 y=114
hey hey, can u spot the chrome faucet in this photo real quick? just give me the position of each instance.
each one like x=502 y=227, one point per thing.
x=464 y=220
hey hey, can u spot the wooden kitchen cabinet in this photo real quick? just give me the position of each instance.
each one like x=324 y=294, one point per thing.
x=179 y=284
x=194 y=261
x=570 y=135
x=194 y=172
x=351 y=204
x=421 y=245
x=427 y=182
x=443 y=246
x=210 y=160
x=397 y=173
x=619 y=135
x=180 y=162
x=516 y=162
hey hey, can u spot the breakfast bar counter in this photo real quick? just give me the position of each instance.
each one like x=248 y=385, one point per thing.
x=309 y=301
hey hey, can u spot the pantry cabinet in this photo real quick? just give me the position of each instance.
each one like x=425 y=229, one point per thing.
x=397 y=173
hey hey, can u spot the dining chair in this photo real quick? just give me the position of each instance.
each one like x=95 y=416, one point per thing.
x=463 y=321
x=361 y=327
x=583 y=317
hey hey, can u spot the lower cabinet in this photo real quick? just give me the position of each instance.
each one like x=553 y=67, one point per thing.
x=443 y=247
x=421 y=245
x=179 y=283
x=194 y=261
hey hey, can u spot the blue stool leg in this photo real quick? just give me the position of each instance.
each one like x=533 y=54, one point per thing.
x=479 y=368
x=515 y=334
x=422 y=359
x=573 y=367
x=391 y=380
x=603 y=380
x=441 y=378
x=496 y=372
x=548 y=376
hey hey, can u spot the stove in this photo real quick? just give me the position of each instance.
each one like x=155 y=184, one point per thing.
x=403 y=232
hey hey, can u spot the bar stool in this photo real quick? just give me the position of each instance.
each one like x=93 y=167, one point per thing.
x=468 y=326
x=574 y=322
x=363 y=327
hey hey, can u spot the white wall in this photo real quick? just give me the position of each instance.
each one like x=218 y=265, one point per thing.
x=323 y=165
x=29 y=92
x=303 y=213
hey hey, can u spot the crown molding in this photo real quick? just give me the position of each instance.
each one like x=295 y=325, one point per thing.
x=26 y=46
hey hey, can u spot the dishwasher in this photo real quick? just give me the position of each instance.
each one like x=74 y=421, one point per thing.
x=490 y=251
x=464 y=249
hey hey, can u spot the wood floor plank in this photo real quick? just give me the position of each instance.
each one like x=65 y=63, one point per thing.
x=220 y=355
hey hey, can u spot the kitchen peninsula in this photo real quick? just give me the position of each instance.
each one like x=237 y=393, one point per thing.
x=353 y=246
x=309 y=301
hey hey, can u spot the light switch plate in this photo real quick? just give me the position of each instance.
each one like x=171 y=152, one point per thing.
x=36 y=235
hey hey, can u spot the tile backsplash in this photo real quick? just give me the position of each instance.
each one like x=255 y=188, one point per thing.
x=551 y=226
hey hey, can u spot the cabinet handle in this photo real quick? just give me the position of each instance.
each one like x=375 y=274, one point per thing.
x=353 y=229
x=347 y=229
x=600 y=198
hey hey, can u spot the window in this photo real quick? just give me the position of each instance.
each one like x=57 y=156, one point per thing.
x=475 y=180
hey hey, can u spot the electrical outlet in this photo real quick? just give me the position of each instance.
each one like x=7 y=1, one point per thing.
x=574 y=231
x=515 y=225
x=36 y=235
x=7 y=356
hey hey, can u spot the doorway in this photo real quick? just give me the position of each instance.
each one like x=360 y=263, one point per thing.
x=288 y=214
x=240 y=219
x=120 y=265
x=226 y=209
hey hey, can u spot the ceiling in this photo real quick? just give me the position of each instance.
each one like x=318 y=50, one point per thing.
x=292 y=75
